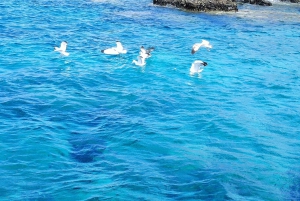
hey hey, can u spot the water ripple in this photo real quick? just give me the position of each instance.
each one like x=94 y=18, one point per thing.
x=94 y=127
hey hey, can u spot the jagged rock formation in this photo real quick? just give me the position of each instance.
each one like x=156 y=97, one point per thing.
x=200 y=5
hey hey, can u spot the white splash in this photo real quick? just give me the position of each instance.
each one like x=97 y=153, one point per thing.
x=197 y=66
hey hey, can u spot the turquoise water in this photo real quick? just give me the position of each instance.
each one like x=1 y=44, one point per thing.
x=96 y=127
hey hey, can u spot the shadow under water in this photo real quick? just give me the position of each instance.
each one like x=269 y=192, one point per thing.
x=295 y=188
x=86 y=147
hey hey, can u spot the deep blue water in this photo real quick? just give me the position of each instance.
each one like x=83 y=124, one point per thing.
x=96 y=127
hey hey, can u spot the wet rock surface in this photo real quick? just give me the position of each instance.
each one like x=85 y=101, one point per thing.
x=200 y=5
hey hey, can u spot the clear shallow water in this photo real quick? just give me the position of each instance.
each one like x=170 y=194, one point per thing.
x=96 y=127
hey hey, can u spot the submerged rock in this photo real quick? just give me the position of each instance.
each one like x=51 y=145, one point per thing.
x=200 y=5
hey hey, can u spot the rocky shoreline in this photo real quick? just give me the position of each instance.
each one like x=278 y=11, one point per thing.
x=211 y=5
x=200 y=5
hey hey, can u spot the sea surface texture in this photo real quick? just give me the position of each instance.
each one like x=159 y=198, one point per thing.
x=94 y=127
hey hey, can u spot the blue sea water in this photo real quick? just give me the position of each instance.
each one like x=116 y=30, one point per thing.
x=96 y=127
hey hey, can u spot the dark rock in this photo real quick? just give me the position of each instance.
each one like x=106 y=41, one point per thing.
x=263 y=3
x=259 y=2
x=200 y=5
x=292 y=1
